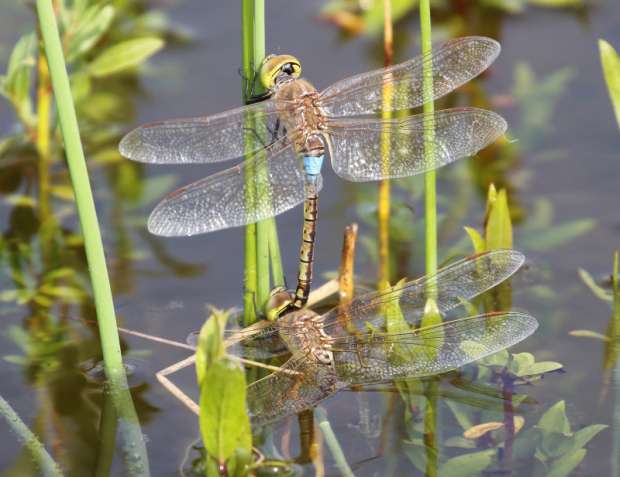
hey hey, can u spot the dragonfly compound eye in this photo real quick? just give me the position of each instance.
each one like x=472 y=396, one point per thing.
x=277 y=67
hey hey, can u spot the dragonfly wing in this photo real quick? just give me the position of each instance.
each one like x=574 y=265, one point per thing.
x=375 y=357
x=450 y=287
x=357 y=146
x=214 y=138
x=258 y=341
x=453 y=64
x=300 y=384
x=222 y=200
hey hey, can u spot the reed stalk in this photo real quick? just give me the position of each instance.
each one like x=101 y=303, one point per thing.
x=430 y=230
x=44 y=104
x=383 y=209
x=134 y=449
x=430 y=189
x=47 y=465
x=262 y=250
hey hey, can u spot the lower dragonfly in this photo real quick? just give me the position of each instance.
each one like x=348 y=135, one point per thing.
x=285 y=138
x=355 y=343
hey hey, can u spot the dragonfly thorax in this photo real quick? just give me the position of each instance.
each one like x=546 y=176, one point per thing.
x=302 y=331
x=303 y=117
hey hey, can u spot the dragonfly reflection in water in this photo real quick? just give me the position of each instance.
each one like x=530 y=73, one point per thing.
x=351 y=343
x=286 y=137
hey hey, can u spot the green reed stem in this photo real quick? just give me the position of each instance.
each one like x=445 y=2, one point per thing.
x=430 y=190
x=134 y=448
x=102 y=292
x=262 y=249
x=47 y=465
x=332 y=442
x=430 y=215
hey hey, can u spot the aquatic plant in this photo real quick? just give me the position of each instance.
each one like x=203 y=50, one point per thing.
x=611 y=69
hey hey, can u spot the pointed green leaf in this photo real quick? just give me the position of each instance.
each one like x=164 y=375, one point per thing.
x=124 y=55
x=498 y=231
x=594 y=287
x=564 y=466
x=589 y=334
x=89 y=28
x=467 y=464
x=210 y=346
x=476 y=239
x=224 y=421
x=555 y=420
x=611 y=71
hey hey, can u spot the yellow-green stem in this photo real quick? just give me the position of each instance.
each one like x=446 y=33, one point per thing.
x=134 y=449
x=430 y=193
x=383 y=209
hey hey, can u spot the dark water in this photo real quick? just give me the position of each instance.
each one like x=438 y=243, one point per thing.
x=572 y=163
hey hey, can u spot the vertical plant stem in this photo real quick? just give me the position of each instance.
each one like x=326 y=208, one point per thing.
x=430 y=232
x=430 y=193
x=47 y=465
x=383 y=209
x=250 y=274
x=332 y=443
x=44 y=102
x=134 y=449
x=347 y=262
x=262 y=249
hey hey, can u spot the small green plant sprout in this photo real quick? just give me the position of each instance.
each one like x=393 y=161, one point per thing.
x=224 y=421
x=611 y=70
x=611 y=338
x=519 y=367
x=556 y=448
x=497 y=233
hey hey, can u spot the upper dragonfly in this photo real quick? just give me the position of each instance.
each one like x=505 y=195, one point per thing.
x=287 y=137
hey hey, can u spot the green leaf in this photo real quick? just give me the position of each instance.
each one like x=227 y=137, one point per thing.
x=564 y=466
x=124 y=55
x=17 y=82
x=594 y=287
x=498 y=230
x=556 y=235
x=611 y=70
x=467 y=464
x=555 y=420
x=224 y=422
x=539 y=368
x=585 y=435
x=589 y=334
x=476 y=239
x=88 y=29
x=210 y=346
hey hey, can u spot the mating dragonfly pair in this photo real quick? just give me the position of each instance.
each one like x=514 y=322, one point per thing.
x=286 y=137
x=284 y=140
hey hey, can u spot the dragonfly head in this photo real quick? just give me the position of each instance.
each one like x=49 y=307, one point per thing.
x=279 y=301
x=278 y=68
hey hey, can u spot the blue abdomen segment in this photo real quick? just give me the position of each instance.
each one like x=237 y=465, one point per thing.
x=312 y=164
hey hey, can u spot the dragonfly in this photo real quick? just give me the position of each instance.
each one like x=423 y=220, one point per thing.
x=354 y=344
x=285 y=138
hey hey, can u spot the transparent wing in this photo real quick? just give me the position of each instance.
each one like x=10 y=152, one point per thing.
x=258 y=341
x=453 y=64
x=214 y=138
x=299 y=385
x=374 y=357
x=357 y=145
x=461 y=281
x=223 y=200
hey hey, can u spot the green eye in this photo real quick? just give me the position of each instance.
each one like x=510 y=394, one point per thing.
x=279 y=300
x=275 y=66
